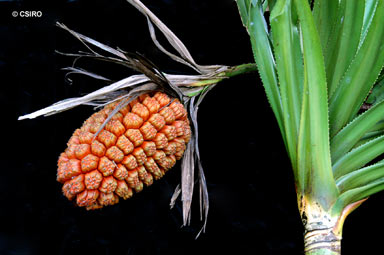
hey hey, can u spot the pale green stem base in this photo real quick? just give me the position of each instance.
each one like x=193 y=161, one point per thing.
x=322 y=252
x=322 y=241
x=323 y=232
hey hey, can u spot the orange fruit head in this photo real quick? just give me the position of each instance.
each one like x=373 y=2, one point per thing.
x=139 y=144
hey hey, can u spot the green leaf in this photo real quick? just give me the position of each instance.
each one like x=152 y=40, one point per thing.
x=370 y=8
x=369 y=136
x=334 y=30
x=325 y=14
x=268 y=5
x=264 y=59
x=265 y=5
x=346 y=43
x=374 y=132
x=358 y=157
x=360 y=76
x=377 y=93
x=289 y=66
x=356 y=194
x=304 y=162
x=243 y=6
x=271 y=4
x=361 y=177
x=378 y=127
x=354 y=131
x=322 y=187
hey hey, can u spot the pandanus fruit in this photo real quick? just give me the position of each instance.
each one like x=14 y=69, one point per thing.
x=139 y=144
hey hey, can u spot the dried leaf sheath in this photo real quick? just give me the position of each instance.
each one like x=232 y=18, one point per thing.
x=140 y=143
x=177 y=44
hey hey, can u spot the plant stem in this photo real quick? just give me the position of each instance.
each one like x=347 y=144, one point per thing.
x=240 y=69
x=323 y=229
x=230 y=72
x=322 y=241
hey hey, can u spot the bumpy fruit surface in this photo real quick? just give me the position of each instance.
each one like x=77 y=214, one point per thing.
x=139 y=144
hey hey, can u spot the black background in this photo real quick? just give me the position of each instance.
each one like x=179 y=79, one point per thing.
x=252 y=199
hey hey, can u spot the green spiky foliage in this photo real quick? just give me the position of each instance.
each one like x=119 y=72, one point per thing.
x=321 y=68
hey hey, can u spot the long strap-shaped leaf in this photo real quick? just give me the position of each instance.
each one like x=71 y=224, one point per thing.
x=359 y=157
x=346 y=42
x=373 y=133
x=353 y=195
x=252 y=16
x=370 y=8
x=290 y=70
x=361 y=177
x=377 y=93
x=351 y=134
x=244 y=7
x=370 y=136
x=361 y=75
x=321 y=176
x=304 y=161
x=325 y=14
x=335 y=29
x=377 y=128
